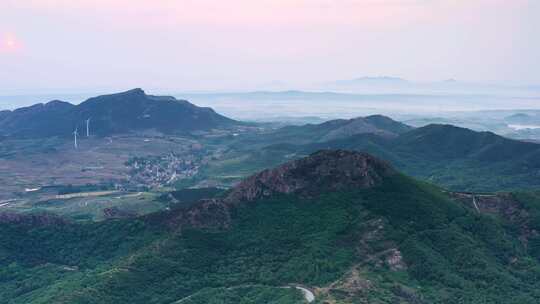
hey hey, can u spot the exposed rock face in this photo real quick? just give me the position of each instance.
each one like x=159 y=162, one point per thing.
x=323 y=171
x=394 y=260
x=501 y=204
x=504 y=205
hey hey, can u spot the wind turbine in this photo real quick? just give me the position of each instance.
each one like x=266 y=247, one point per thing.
x=75 y=133
x=88 y=127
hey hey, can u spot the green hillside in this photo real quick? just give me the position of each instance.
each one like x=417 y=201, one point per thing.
x=393 y=240
x=334 y=130
x=453 y=157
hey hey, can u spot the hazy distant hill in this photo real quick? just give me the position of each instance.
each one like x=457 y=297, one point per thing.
x=343 y=224
x=116 y=113
x=522 y=118
x=338 y=129
x=374 y=82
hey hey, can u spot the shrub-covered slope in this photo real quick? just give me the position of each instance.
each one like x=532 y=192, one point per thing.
x=389 y=240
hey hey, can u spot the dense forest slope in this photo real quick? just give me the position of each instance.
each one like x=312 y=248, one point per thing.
x=343 y=224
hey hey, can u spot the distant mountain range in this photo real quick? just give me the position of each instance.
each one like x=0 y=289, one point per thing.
x=343 y=225
x=330 y=103
x=375 y=81
x=129 y=111
x=388 y=84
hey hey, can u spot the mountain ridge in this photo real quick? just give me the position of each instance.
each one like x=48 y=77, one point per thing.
x=338 y=129
x=109 y=114
x=454 y=157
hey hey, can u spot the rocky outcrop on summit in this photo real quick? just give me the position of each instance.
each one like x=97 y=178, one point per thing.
x=323 y=171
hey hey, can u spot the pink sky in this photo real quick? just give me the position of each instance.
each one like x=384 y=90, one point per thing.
x=235 y=44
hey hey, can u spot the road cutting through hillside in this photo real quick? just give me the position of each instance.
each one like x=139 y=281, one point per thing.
x=309 y=296
x=474 y=203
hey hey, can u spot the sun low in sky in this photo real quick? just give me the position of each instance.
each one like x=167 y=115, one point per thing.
x=9 y=44
x=236 y=44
